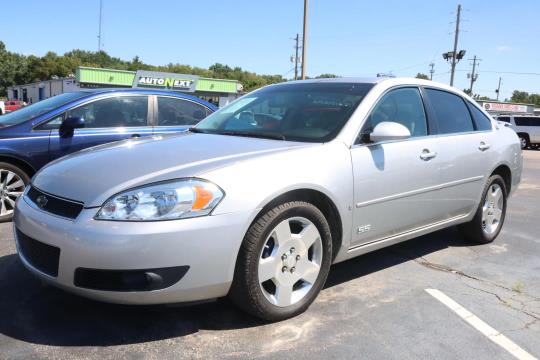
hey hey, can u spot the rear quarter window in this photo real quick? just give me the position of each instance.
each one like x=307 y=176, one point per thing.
x=527 y=121
x=483 y=122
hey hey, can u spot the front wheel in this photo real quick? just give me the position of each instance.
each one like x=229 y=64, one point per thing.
x=489 y=218
x=12 y=183
x=283 y=262
x=524 y=140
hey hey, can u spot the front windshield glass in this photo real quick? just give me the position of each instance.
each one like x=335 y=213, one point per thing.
x=310 y=112
x=29 y=112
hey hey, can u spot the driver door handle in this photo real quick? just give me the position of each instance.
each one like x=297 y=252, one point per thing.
x=135 y=136
x=483 y=146
x=427 y=154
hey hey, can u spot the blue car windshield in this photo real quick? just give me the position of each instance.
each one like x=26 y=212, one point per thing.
x=308 y=112
x=39 y=108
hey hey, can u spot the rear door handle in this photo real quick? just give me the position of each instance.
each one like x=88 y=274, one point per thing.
x=427 y=155
x=483 y=146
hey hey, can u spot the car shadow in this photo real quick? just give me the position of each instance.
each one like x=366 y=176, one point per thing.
x=39 y=314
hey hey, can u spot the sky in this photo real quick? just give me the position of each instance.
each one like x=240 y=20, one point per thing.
x=345 y=37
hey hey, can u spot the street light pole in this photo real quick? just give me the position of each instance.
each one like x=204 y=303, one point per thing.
x=304 y=40
x=455 y=45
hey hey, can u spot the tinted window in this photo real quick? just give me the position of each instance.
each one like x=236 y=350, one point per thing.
x=504 y=119
x=482 y=121
x=173 y=111
x=311 y=112
x=451 y=113
x=527 y=121
x=39 y=108
x=403 y=106
x=119 y=111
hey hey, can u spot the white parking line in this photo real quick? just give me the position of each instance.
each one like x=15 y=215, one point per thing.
x=481 y=326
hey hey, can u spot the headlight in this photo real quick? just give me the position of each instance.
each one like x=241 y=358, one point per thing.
x=163 y=201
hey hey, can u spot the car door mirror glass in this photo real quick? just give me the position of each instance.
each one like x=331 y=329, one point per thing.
x=389 y=130
x=69 y=125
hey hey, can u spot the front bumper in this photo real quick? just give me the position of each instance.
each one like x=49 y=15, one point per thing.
x=207 y=245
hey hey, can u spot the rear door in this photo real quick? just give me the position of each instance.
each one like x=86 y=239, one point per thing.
x=106 y=120
x=466 y=150
x=173 y=114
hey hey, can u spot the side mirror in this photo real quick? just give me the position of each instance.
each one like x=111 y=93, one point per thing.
x=69 y=125
x=388 y=130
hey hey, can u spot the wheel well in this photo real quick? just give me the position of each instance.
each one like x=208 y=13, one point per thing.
x=322 y=202
x=525 y=135
x=19 y=163
x=506 y=174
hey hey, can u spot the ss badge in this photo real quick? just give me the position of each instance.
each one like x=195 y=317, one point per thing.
x=363 y=228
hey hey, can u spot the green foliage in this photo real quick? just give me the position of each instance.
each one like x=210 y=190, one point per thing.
x=525 y=97
x=20 y=69
x=422 y=76
x=326 y=76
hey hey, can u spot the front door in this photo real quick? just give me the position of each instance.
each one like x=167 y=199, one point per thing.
x=395 y=182
x=106 y=120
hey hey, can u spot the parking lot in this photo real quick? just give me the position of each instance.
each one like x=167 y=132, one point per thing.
x=375 y=306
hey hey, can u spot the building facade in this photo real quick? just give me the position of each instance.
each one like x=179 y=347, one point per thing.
x=220 y=92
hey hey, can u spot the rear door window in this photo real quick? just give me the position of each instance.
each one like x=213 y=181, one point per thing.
x=175 y=112
x=527 y=121
x=451 y=113
x=503 y=119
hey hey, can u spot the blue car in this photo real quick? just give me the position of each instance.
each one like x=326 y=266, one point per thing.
x=37 y=134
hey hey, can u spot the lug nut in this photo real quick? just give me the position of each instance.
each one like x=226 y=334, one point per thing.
x=283 y=269
x=284 y=257
x=293 y=269
x=297 y=257
x=292 y=250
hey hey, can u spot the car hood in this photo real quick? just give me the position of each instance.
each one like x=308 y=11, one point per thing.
x=95 y=174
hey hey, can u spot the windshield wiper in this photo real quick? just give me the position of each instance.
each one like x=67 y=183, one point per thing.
x=198 y=131
x=253 y=134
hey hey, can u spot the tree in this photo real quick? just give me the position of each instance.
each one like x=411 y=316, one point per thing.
x=326 y=76
x=21 y=69
x=422 y=76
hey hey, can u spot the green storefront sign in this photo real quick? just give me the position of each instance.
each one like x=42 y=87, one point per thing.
x=96 y=77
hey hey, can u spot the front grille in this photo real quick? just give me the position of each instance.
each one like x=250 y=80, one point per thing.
x=54 y=204
x=43 y=257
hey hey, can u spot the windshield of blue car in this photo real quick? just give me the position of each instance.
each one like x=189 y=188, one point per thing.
x=308 y=112
x=39 y=108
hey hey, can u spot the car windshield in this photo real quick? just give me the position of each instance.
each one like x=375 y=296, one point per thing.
x=309 y=112
x=29 y=112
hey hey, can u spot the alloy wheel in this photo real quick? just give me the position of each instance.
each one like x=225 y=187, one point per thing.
x=290 y=261
x=11 y=187
x=492 y=210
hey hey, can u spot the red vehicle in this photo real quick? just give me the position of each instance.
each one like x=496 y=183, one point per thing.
x=12 y=105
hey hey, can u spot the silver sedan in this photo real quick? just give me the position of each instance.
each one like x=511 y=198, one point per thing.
x=258 y=200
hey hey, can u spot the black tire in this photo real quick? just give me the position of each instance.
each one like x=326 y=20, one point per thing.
x=474 y=230
x=21 y=174
x=525 y=142
x=246 y=292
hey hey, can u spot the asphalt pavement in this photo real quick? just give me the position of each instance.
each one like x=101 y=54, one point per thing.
x=373 y=307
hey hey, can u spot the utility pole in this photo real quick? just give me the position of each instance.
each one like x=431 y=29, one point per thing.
x=99 y=32
x=498 y=91
x=431 y=70
x=473 y=75
x=456 y=37
x=296 y=58
x=304 y=40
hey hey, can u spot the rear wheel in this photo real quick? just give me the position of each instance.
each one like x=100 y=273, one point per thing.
x=489 y=218
x=283 y=262
x=12 y=183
